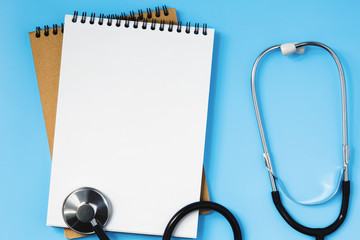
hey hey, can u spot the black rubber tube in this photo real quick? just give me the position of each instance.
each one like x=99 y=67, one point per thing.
x=198 y=206
x=100 y=232
x=318 y=233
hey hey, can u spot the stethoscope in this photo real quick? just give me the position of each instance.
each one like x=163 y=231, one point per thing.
x=318 y=233
x=86 y=211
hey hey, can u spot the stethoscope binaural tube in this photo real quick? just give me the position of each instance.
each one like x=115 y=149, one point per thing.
x=318 y=233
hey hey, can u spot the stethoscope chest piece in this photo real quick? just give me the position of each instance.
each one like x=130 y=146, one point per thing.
x=84 y=206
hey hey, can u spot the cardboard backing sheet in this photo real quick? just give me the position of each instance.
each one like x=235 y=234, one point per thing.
x=46 y=52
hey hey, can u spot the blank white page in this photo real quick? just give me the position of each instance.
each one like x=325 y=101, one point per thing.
x=131 y=122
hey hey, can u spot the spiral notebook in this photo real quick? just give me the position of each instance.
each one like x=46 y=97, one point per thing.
x=134 y=129
x=46 y=47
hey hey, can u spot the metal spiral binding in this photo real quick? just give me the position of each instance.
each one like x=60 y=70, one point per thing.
x=196 y=31
x=140 y=15
x=118 y=22
x=153 y=24
x=83 y=17
x=136 y=23
x=166 y=12
x=205 y=29
x=101 y=19
x=127 y=23
x=162 y=25
x=132 y=16
x=171 y=24
x=92 y=18
x=179 y=27
x=187 y=29
x=157 y=12
x=37 y=34
x=127 y=18
x=55 y=29
x=46 y=30
x=109 y=20
x=123 y=16
x=144 y=24
x=149 y=13
x=75 y=16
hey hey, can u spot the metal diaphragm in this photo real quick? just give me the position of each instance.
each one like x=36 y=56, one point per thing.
x=80 y=197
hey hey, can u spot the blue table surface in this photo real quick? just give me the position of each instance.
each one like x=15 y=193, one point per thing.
x=299 y=97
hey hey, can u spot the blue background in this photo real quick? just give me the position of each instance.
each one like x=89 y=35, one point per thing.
x=299 y=97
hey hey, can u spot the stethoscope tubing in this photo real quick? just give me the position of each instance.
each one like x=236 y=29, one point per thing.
x=199 y=206
x=318 y=233
x=83 y=207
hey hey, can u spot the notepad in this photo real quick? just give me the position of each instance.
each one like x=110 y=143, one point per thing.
x=124 y=125
x=46 y=48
